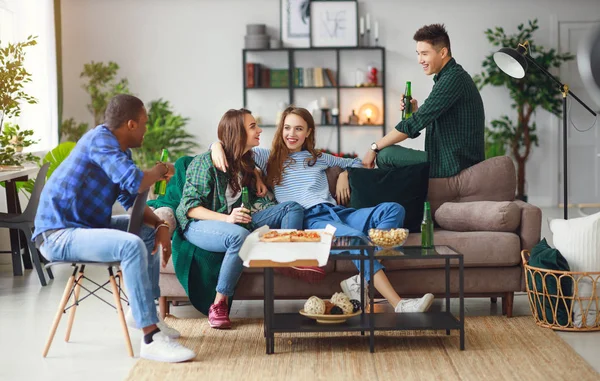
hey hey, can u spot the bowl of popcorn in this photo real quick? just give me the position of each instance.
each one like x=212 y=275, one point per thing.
x=388 y=238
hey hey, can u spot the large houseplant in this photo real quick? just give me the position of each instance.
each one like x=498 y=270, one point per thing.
x=529 y=94
x=101 y=84
x=13 y=77
x=165 y=129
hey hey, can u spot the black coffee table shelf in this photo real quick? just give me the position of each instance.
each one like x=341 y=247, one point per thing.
x=371 y=322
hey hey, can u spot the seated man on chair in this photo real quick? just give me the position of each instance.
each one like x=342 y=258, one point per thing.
x=74 y=223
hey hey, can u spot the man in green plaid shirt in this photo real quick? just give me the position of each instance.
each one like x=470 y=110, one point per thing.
x=452 y=115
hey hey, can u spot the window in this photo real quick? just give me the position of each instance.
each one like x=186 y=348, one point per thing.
x=19 y=19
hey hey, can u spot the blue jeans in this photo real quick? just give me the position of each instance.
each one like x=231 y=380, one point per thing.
x=355 y=222
x=140 y=267
x=218 y=237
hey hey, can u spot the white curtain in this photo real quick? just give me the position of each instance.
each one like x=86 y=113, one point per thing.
x=19 y=19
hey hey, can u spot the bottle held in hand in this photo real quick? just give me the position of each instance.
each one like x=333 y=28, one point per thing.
x=246 y=204
x=407 y=98
x=160 y=188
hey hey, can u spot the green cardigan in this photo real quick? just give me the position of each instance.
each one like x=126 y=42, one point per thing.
x=197 y=270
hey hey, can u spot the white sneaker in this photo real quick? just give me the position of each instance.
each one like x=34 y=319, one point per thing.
x=415 y=305
x=172 y=333
x=351 y=287
x=162 y=348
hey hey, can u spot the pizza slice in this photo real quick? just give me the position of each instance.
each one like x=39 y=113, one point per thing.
x=275 y=236
x=306 y=236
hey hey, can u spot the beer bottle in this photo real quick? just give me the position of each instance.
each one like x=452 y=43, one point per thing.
x=427 y=228
x=407 y=97
x=160 y=188
x=246 y=204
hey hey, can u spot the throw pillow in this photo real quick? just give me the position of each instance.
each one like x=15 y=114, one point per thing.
x=495 y=216
x=398 y=156
x=578 y=239
x=405 y=185
x=550 y=306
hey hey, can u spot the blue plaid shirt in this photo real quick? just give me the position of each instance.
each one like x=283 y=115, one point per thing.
x=82 y=190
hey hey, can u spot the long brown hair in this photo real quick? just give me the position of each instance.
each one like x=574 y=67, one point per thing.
x=279 y=151
x=232 y=134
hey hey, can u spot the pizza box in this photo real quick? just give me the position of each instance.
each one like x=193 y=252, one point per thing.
x=255 y=253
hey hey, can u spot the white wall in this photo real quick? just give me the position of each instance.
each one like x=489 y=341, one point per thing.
x=189 y=52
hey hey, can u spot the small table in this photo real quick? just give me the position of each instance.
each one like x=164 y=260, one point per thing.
x=13 y=206
x=371 y=322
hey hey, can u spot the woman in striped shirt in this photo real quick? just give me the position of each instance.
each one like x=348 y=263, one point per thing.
x=210 y=211
x=296 y=172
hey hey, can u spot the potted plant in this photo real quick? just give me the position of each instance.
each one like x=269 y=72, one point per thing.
x=12 y=142
x=528 y=94
x=101 y=84
x=165 y=129
x=13 y=77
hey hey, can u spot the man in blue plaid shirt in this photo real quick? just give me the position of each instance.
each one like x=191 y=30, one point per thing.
x=74 y=222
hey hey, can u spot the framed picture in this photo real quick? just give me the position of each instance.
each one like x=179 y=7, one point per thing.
x=333 y=23
x=295 y=23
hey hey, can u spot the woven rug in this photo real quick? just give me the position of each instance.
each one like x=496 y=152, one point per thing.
x=497 y=348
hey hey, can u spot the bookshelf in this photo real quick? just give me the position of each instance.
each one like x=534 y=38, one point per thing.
x=348 y=58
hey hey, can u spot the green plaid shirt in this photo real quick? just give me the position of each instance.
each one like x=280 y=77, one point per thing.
x=205 y=186
x=454 y=118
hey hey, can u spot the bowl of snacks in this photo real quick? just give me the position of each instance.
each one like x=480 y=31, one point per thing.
x=388 y=238
x=334 y=311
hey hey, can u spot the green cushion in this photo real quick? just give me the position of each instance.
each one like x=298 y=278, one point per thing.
x=545 y=257
x=406 y=185
x=398 y=156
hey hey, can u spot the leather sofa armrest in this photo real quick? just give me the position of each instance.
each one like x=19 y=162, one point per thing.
x=530 y=229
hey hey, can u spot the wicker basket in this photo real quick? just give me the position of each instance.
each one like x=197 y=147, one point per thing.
x=541 y=300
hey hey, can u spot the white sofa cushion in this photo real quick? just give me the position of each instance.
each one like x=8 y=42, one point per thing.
x=578 y=240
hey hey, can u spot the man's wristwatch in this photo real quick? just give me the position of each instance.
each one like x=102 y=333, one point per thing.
x=374 y=147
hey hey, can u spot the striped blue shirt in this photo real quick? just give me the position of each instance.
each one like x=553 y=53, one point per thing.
x=82 y=190
x=307 y=185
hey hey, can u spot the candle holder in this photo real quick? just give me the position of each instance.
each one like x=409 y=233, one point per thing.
x=324 y=116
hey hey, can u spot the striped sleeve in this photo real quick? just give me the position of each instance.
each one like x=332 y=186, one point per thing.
x=342 y=162
x=261 y=156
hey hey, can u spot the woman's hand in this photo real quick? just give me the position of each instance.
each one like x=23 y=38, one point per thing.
x=342 y=189
x=239 y=215
x=261 y=188
x=217 y=154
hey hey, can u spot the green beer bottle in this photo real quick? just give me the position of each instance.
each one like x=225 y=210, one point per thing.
x=160 y=188
x=245 y=204
x=427 y=228
x=407 y=97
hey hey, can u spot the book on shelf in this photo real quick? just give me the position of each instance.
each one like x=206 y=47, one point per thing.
x=261 y=76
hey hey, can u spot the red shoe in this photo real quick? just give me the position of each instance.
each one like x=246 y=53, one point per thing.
x=218 y=315
x=309 y=274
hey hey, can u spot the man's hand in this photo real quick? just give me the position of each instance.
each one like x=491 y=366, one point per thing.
x=162 y=239
x=413 y=102
x=217 y=154
x=170 y=171
x=239 y=215
x=342 y=189
x=369 y=159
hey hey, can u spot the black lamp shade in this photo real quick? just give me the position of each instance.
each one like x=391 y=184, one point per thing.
x=511 y=61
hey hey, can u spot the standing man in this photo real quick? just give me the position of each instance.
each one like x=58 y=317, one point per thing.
x=452 y=114
x=74 y=223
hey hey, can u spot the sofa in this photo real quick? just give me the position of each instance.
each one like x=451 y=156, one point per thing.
x=475 y=212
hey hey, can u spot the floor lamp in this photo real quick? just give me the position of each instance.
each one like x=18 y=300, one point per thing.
x=514 y=63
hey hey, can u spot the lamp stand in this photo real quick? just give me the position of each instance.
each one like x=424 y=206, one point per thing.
x=565 y=92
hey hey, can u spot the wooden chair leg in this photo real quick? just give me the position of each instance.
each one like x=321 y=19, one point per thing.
x=494 y=299
x=75 y=303
x=120 y=313
x=163 y=306
x=509 y=296
x=61 y=308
